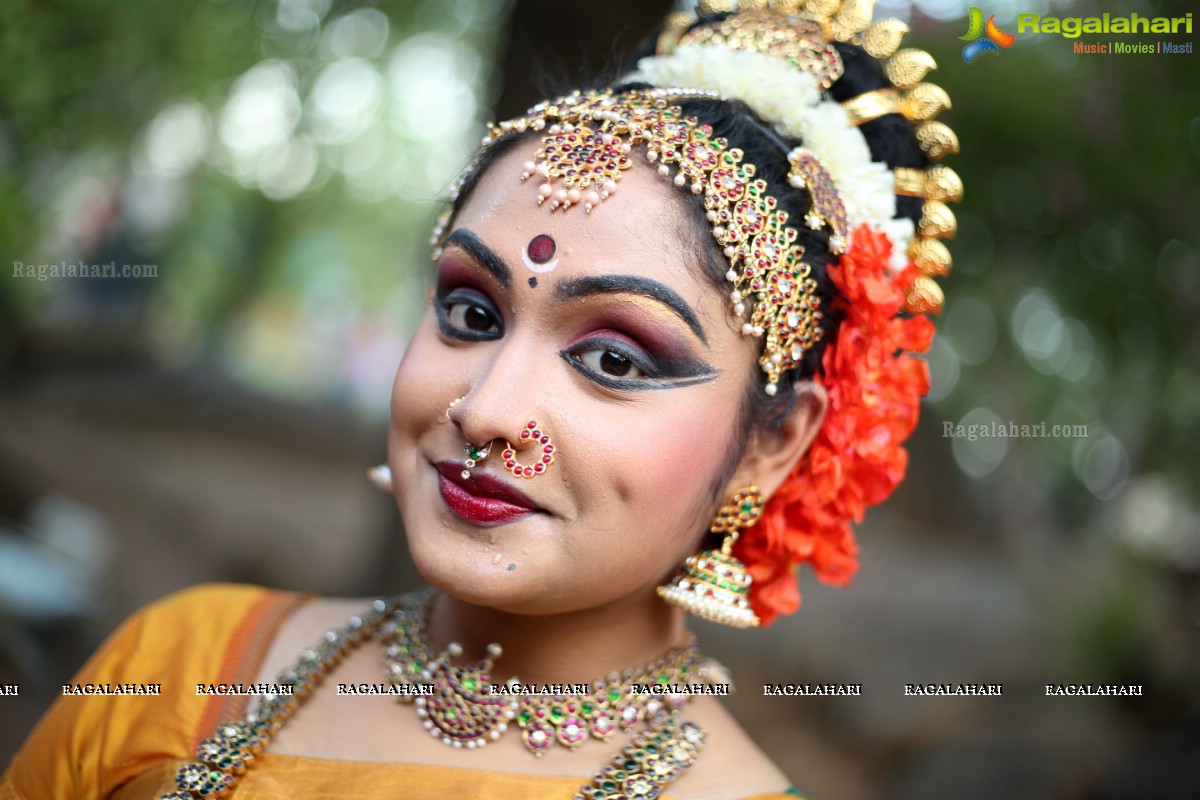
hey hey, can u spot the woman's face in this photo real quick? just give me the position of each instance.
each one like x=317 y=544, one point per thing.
x=609 y=337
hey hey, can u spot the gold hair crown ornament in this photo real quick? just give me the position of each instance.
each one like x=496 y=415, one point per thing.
x=802 y=32
x=587 y=140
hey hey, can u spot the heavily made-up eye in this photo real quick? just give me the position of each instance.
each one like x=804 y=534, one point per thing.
x=466 y=314
x=612 y=362
x=622 y=365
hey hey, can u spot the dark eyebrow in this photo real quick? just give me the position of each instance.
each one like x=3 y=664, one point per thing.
x=572 y=288
x=485 y=255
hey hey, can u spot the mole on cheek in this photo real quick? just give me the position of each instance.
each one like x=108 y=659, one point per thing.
x=511 y=567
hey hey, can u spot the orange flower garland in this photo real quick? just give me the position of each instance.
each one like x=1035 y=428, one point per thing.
x=856 y=460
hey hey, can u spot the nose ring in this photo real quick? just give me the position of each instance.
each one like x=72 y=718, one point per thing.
x=542 y=447
x=474 y=455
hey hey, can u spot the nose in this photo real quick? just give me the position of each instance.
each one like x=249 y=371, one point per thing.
x=503 y=397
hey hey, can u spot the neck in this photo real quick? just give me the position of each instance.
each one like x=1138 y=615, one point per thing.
x=574 y=647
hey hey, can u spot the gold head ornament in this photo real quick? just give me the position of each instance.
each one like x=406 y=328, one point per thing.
x=587 y=142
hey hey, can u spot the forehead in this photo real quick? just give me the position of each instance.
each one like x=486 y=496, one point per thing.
x=640 y=229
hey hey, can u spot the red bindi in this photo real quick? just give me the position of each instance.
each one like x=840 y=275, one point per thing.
x=541 y=249
x=539 y=254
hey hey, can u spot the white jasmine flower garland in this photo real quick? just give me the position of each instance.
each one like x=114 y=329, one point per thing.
x=789 y=99
x=900 y=231
x=764 y=82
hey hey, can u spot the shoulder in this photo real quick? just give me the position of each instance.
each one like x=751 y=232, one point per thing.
x=90 y=741
x=731 y=765
x=216 y=601
x=199 y=625
x=209 y=604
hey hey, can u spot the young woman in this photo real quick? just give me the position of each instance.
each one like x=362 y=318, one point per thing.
x=664 y=362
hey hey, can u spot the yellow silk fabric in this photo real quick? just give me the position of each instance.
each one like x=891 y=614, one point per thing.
x=129 y=747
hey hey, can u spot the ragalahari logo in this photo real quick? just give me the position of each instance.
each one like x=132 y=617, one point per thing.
x=983 y=38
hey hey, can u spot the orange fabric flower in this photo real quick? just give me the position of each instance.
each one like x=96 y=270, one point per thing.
x=856 y=459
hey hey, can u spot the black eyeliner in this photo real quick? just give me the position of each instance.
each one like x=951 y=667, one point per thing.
x=679 y=372
x=463 y=334
x=663 y=367
x=639 y=385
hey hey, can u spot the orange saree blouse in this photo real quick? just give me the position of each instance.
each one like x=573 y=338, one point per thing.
x=130 y=747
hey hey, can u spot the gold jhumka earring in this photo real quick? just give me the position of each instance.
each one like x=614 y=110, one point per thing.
x=713 y=584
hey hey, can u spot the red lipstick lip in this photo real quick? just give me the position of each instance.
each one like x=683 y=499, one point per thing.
x=481 y=499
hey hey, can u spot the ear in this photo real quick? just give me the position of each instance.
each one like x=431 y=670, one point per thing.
x=772 y=454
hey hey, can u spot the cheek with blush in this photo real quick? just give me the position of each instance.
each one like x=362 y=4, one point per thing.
x=658 y=480
x=420 y=392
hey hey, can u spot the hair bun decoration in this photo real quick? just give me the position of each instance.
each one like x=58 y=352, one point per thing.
x=886 y=277
x=807 y=172
x=796 y=40
x=800 y=33
x=857 y=458
x=787 y=97
x=909 y=67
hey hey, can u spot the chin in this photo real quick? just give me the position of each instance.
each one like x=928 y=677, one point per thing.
x=479 y=582
x=530 y=590
x=468 y=571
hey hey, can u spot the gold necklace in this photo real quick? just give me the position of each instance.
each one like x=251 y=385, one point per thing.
x=462 y=708
x=663 y=747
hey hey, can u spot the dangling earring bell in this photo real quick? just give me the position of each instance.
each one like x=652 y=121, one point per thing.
x=713 y=584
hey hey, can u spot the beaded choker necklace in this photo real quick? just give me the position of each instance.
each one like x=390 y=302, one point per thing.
x=662 y=747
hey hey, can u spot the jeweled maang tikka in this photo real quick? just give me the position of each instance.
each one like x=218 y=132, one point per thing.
x=586 y=144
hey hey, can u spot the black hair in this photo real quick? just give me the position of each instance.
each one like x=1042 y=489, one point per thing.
x=890 y=139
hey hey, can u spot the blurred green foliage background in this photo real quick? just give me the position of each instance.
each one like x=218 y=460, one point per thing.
x=280 y=162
